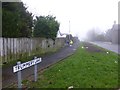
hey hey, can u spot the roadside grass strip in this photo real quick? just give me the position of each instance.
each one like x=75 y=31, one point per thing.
x=83 y=69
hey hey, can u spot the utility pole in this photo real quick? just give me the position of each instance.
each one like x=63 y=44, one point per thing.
x=69 y=26
x=69 y=31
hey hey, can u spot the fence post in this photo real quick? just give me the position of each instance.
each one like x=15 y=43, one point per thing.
x=19 y=77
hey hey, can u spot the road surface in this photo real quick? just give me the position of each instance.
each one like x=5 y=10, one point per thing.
x=108 y=45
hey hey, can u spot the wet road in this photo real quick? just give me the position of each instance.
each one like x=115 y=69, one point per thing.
x=108 y=45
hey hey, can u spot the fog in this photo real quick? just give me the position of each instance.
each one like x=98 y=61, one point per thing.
x=77 y=16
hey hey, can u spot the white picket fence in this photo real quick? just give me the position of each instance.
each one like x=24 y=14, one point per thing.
x=15 y=48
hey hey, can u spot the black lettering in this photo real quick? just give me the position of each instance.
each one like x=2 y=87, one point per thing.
x=28 y=64
x=21 y=67
x=18 y=67
x=31 y=62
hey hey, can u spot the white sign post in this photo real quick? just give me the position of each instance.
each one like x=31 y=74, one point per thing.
x=19 y=77
x=35 y=71
x=22 y=66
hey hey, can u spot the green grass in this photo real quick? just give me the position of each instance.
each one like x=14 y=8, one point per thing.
x=81 y=70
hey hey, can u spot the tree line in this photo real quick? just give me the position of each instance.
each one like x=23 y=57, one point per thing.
x=18 y=22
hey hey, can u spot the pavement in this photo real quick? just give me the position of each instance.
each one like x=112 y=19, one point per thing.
x=8 y=77
x=108 y=46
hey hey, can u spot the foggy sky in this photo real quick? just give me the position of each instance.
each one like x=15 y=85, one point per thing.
x=82 y=14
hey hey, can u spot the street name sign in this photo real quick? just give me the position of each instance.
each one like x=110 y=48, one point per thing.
x=26 y=65
x=20 y=66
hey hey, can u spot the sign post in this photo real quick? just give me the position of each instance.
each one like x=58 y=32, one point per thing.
x=19 y=76
x=35 y=71
x=22 y=66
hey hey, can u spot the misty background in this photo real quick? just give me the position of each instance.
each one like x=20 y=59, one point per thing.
x=78 y=17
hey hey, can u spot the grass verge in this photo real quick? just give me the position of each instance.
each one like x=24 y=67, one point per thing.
x=81 y=70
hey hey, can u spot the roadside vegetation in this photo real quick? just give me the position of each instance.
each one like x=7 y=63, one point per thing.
x=89 y=67
x=18 y=22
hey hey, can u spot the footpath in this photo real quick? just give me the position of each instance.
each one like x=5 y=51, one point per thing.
x=10 y=77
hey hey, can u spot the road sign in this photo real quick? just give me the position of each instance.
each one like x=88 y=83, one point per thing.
x=22 y=66
x=26 y=65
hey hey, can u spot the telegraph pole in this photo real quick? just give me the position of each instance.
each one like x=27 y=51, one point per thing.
x=69 y=26
x=69 y=31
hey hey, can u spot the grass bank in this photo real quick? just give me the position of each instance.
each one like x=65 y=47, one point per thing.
x=86 y=68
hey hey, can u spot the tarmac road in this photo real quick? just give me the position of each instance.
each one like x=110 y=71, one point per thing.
x=10 y=77
x=108 y=45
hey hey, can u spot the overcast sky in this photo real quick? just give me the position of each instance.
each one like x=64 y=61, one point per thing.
x=82 y=14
